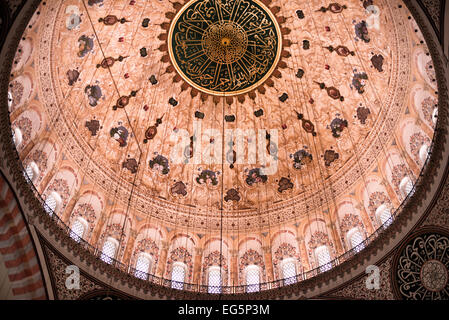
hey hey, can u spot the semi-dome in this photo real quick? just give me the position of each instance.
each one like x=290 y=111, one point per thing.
x=223 y=144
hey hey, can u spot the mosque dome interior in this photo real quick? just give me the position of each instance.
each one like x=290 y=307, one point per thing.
x=228 y=147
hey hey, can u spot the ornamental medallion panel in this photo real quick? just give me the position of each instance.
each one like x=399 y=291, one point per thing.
x=421 y=270
x=224 y=47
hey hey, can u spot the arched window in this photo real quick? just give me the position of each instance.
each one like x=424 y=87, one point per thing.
x=31 y=171
x=383 y=215
x=10 y=100
x=109 y=250
x=214 y=280
x=423 y=153
x=79 y=226
x=355 y=238
x=178 y=275
x=323 y=258
x=17 y=137
x=252 y=278
x=52 y=203
x=406 y=186
x=143 y=266
x=288 y=271
x=435 y=116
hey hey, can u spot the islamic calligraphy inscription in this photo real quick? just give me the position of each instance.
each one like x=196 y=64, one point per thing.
x=224 y=47
x=422 y=272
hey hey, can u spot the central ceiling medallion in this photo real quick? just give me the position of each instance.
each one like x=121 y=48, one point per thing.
x=224 y=48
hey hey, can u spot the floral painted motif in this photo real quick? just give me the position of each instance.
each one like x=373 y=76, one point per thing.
x=215 y=259
x=87 y=212
x=93 y=2
x=330 y=156
x=362 y=114
x=284 y=251
x=358 y=81
x=130 y=164
x=26 y=126
x=318 y=239
x=378 y=61
x=148 y=246
x=180 y=254
x=232 y=195
x=160 y=164
x=85 y=45
x=72 y=76
x=427 y=107
x=250 y=257
x=430 y=70
x=255 y=176
x=376 y=199
x=301 y=158
x=16 y=90
x=285 y=184
x=120 y=134
x=337 y=126
x=417 y=140
x=61 y=187
x=349 y=222
x=361 y=31
x=40 y=158
x=115 y=231
x=400 y=172
x=208 y=177
x=93 y=94
x=179 y=188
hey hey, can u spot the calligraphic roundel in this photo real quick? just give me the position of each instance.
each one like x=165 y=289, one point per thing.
x=224 y=48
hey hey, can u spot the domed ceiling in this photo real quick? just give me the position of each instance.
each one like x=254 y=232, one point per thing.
x=237 y=120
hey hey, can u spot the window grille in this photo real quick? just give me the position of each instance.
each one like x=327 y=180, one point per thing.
x=324 y=258
x=289 y=272
x=252 y=278
x=77 y=230
x=108 y=252
x=214 y=281
x=177 y=277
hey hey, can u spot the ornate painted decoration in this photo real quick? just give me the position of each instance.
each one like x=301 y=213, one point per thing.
x=422 y=268
x=224 y=47
x=346 y=125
